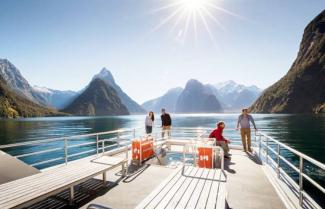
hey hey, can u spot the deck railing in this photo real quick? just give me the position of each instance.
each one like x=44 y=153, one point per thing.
x=269 y=148
x=62 y=150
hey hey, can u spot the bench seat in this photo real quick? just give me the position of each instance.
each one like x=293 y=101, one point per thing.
x=29 y=190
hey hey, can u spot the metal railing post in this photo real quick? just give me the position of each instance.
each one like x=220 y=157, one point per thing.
x=134 y=133
x=278 y=161
x=97 y=147
x=301 y=182
x=66 y=151
x=260 y=145
x=118 y=139
x=103 y=146
x=267 y=150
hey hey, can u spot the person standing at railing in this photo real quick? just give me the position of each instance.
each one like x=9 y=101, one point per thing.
x=150 y=119
x=220 y=140
x=244 y=121
x=166 y=123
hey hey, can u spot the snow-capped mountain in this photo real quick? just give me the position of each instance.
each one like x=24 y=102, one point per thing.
x=54 y=98
x=234 y=96
x=15 y=80
x=230 y=95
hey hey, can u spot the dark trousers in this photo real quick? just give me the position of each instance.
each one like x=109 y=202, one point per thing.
x=148 y=129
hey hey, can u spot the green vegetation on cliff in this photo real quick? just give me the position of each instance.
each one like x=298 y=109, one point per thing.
x=13 y=105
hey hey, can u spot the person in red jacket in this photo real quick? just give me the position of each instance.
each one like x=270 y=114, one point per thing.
x=219 y=139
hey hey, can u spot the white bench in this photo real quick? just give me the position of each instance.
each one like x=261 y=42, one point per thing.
x=29 y=190
x=189 y=188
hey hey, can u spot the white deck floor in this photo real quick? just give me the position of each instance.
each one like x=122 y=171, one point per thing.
x=247 y=185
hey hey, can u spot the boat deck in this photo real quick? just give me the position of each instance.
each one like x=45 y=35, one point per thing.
x=247 y=185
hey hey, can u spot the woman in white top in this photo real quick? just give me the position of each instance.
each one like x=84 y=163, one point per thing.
x=149 y=122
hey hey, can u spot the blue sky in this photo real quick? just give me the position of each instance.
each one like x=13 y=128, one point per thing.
x=61 y=44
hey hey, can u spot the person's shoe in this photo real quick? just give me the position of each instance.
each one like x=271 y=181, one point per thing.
x=250 y=150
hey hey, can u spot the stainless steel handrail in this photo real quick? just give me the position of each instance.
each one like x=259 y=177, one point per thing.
x=262 y=141
x=74 y=137
x=300 y=170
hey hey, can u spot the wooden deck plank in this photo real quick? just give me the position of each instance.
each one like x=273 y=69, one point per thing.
x=213 y=195
x=193 y=199
x=51 y=181
x=205 y=191
x=54 y=171
x=222 y=195
x=187 y=195
x=44 y=181
x=172 y=192
x=156 y=191
x=161 y=194
x=179 y=194
x=36 y=191
x=48 y=178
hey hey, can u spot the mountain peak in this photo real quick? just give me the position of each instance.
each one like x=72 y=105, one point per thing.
x=105 y=75
x=193 y=83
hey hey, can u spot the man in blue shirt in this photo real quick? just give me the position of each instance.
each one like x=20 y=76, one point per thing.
x=244 y=121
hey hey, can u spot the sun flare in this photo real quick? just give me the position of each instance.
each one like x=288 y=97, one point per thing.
x=184 y=15
x=193 y=5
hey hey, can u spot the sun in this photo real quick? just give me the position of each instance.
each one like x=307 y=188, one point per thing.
x=186 y=14
x=193 y=5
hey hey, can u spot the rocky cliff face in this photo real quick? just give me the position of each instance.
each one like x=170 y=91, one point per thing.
x=14 y=79
x=98 y=99
x=41 y=95
x=196 y=98
x=132 y=106
x=302 y=89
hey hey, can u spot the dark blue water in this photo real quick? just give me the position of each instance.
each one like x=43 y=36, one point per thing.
x=305 y=133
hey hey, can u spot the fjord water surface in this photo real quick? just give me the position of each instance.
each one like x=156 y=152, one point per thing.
x=305 y=133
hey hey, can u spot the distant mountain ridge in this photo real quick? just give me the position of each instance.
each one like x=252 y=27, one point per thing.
x=302 y=89
x=132 y=106
x=98 y=99
x=55 y=98
x=234 y=96
x=231 y=96
x=197 y=98
x=168 y=101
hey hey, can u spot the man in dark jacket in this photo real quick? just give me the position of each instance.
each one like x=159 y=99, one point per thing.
x=166 y=123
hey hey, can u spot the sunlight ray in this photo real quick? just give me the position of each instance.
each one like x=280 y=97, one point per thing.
x=207 y=28
x=223 y=10
x=178 y=20
x=168 y=6
x=188 y=18
x=194 y=25
x=214 y=19
x=166 y=20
